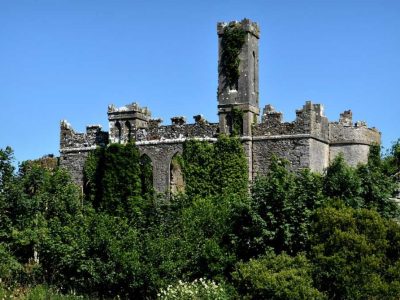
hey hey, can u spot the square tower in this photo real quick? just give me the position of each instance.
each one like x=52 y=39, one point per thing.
x=238 y=96
x=125 y=120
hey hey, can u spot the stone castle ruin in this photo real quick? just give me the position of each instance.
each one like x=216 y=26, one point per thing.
x=310 y=141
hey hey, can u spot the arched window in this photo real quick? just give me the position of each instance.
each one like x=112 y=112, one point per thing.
x=146 y=174
x=176 y=182
x=129 y=127
x=119 y=131
x=234 y=122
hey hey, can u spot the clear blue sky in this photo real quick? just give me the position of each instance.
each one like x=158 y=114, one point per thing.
x=69 y=59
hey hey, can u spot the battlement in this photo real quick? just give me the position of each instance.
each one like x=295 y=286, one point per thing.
x=123 y=121
x=129 y=108
x=345 y=132
x=178 y=130
x=245 y=24
x=310 y=120
x=71 y=140
x=76 y=146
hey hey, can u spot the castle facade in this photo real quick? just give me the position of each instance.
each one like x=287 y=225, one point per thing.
x=310 y=141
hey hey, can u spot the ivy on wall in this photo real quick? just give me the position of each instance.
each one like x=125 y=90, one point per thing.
x=215 y=169
x=236 y=115
x=231 y=44
x=117 y=179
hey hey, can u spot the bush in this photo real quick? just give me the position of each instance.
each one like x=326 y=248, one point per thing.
x=201 y=289
x=276 y=277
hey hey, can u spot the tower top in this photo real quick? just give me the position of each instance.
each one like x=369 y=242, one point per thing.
x=246 y=25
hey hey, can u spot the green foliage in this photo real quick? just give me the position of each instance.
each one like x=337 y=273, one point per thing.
x=146 y=176
x=236 y=118
x=215 y=169
x=377 y=187
x=198 y=168
x=121 y=183
x=276 y=277
x=93 y=172
x=6 y=167
x=112 y=263
x=350 y=253
x=230 y=174
x=38 y=292
x=367 y=186
x=97 y=254
x=272 y=201
x=192 y=242
x=231 y=44
x=283 y=203
x=125 y=241
x=391 y=163
x=341 y=181
x=6 y=184
x=9 y=266
x=39 y=197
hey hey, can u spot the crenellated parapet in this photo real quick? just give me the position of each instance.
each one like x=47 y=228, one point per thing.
x=70 y=140
x=309 y=120
x=352 y=140
x=178 y=130
x=346 y=132
x=124 y=121
x=76 y=146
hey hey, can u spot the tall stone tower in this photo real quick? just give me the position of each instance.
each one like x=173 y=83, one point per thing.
x=238 y=104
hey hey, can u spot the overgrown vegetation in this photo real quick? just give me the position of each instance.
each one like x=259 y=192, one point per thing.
x=287 y=236
x=231 y=44
x=236 y=120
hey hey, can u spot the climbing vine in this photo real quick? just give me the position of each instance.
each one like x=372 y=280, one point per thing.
x=231 y=44
x=215 y=169
x=237 y=121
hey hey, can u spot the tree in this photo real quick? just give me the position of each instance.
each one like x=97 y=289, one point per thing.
x=391 y=162
x=6 y=184
x=342 y=182
x=350 y=252
x=377 y=188
x=283 y=203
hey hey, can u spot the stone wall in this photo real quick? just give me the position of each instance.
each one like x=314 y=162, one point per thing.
x=352 y=140
x=171 y=132
x=358 y=133
x=309 y=120
x=74 y=161
x=353 y=154
x=319 y=155
x=75 y=147
x=310 y=141
x=295 y=149
x=161 y=155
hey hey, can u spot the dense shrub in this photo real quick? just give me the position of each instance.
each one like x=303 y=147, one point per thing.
x=294 y=236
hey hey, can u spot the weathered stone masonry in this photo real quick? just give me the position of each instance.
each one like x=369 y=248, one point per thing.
x=310 y=141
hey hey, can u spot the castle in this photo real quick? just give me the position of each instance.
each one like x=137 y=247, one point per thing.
x=310 y=141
